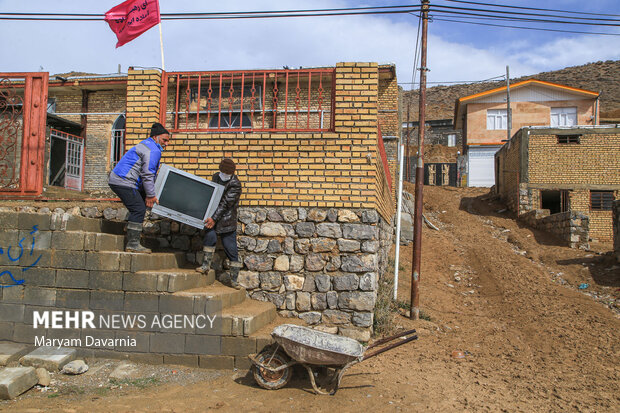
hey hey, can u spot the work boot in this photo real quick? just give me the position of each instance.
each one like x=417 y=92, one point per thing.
x=207 y=257
x=134 y=230
x=235 y=266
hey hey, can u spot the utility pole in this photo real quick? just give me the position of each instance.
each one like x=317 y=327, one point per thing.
x=407 y=173
x=414 y=312
x=508 y=111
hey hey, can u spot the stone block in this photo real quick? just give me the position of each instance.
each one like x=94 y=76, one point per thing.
x=309 y=283
x=274 y=246
x=311 y=317
x=360 y=301
x=176 y=304
x=77 y=223
x=248 y=279
x=359 y=334
x=315 y=262
x=181 y=360
x=38 y=258
x=346 y=245
x=359 y=231
x=293 y=282
x=216 y=362
x=107 y=300
x=40 y=296
x=13 y=313
x=296 y=263
x=345 y=282
x=109 y=242
x=272 y=229
x=302 y=301
x=73 y=260
x=9 y=238
x=319 y=301
x=370 y=216
x=102 y=261
x=42 y=239
x=346 y=215
x=323 y=282
x=13 y=294
x=332 y=299
x=370 y=246
x=142 y=344
x=270 y=281
x=39 y=277
x=203 y=344
x=302 y=246
x=167 y=343
x=142 y=282
x=355 y=263
x=329 y=230
x=258 y=263
x=50 y=358
x=336 y=317
x=25 y=333
x=68 y=240
x=105 y=280
x=16 y=380
x=316 y=215
x=305 y=229
x=323 y=244
x=72 y=279
x=141 y=302
x=9 y=220
x=368 y=281
x=28 y=221
x=10 y=352
x=281 y=263
x=73 y=299
x=238 y=346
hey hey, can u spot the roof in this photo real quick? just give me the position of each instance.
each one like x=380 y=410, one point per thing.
x=462 y=102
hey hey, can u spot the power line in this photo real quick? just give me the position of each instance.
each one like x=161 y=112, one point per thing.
x=530 y=8
x=523 y=27
x=415 y=54
x=525 y=14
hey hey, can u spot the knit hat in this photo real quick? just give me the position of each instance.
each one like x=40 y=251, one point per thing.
x=158 y=129
x=227 y=166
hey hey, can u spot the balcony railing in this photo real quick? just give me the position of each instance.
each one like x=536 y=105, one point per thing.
x=246 y=101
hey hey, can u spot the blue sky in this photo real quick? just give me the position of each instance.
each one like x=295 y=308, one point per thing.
x=456 y=51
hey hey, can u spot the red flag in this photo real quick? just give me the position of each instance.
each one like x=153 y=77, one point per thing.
x=132 y=18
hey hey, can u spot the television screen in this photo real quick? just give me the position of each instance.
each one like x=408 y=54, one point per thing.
x=185 y=197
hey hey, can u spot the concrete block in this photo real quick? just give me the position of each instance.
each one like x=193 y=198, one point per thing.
x=12 y=312
x=202 y=344
x=181 y=360
x=216 y=362
x=74 y=335
x=238 y=346
x=6 y=330
x=107 y=300
x=72 y=278
x=73 y=299
x=9 y=238
x=102 y=261
x=77 y=223
x=90 y=240
x=112 y=227
x=125 y=262
x=146 y=358
x=141 y=302
x=14 y=294
x=36 y=259
x=25 y=333
x=9 y=219
x=175 y=304
x=262 y=342
x=105 y=280
x=101 y=339
x=180 y=282
x=68 y=240
x=42 y=239
x=16 y=380
x=140 y=282
x=73 y=260
x=39 y=277
x=10 y=352
x=167 y=343
x=142 y=341
x=30 y=309
x=26 y=220
x=50 y=358
x=242 y=363
x=40 y=296
x=109 y=242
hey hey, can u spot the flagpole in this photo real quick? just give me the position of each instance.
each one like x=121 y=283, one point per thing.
x=161 y=43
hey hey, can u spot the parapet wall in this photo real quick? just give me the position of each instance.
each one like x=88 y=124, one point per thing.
x=616 y=220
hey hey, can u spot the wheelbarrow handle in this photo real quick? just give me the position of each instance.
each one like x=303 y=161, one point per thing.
x=390 y=347
x=388 y=339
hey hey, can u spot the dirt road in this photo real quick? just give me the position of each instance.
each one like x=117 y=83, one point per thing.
x=505 y=296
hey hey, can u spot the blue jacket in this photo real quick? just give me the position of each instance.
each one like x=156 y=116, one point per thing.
x=138 y=167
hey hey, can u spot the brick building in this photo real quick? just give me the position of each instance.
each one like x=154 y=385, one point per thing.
x=562 y=170
x=483 y=119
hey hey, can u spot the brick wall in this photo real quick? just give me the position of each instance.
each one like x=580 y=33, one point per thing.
x=616 y=220
x=541 y=163
x=143 y=96
x=389 y=121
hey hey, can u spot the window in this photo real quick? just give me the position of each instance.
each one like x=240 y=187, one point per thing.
x=228 y=121
x=452 y=139
x=601 y=200
x=569 y=138
x=563 y=116
x=117 y=148
x=554 y=201
x=496 y=119
x=51 y=105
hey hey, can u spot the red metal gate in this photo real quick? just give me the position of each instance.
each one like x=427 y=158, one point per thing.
x=23 y=108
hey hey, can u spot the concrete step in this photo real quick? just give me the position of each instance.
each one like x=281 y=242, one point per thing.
x=11 y=352
x=248 y=317
x=216 y=292
x=167 y=280
x=16 y=380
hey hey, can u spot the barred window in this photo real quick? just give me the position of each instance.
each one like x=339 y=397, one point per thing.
x=601 y=200
x=569 y=138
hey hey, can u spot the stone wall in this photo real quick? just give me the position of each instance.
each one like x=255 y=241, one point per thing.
x=571 y=226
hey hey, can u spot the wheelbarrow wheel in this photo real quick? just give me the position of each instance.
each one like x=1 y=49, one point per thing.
x=271 y=380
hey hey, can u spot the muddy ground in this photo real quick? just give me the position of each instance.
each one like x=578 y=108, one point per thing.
x=505 y=296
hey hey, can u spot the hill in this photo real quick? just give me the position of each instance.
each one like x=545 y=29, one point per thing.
x=603 y=77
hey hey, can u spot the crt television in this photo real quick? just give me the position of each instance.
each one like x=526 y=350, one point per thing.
x=185 y=197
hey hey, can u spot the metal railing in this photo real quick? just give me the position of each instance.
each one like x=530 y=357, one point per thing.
x=245 y=101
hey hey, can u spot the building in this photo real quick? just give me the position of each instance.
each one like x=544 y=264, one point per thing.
x=484 y=121
x=563 y=170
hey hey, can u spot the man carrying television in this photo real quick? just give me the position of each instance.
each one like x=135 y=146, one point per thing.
x=223 y=222
x=133 y=180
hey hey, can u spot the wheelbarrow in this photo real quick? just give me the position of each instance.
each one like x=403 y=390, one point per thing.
x=313 y=349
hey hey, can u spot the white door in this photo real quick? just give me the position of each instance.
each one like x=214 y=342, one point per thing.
x=481 y=165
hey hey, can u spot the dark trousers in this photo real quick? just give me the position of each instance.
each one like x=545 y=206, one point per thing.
x=134 y=201
x=229 y=242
